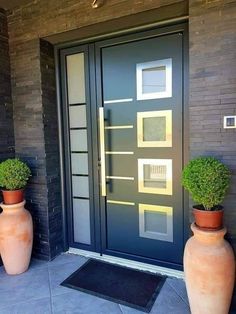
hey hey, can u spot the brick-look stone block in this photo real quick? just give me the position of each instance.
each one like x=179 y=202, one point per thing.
x=212 y=34
x=6 y=115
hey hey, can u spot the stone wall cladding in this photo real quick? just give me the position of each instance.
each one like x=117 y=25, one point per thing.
x=6 y=111
x=51 y=146
x=212 y=35
x=35 y=117
x=213 y=89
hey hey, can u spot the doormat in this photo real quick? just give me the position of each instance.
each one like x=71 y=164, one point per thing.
x=133 y=288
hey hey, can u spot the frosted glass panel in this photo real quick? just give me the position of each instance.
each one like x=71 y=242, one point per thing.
x=154 y=80
x=76 y=78
x=79 y=163
x=80 y=186
x=154 y=129
x=81 y=221
x=77 y=116
x=156 y=222
x=78 y=140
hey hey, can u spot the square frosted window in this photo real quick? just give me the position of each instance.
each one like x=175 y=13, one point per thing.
x=155 y=176
x=79 y=163
x=154 y=79
x=78 y=140
x=156 y=222
x=76 y=78
x=81 y=215
x=78 y=116
x=154 y=128
x=80 y=186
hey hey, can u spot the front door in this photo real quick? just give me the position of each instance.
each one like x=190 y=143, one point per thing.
x=138 y=83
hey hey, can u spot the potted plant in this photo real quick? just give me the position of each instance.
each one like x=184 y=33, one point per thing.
x=14 y=175
x=207 y=180
x=16 y=227
x=209 y=263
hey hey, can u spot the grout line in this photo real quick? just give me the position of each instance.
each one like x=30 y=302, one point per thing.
x=185 y=302
x=50 y=291
x=119 y=305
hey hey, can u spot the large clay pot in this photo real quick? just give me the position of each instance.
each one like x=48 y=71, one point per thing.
x=16 y=237
x=209 y=268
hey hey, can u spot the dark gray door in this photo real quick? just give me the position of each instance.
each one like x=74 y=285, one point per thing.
x=141 y=148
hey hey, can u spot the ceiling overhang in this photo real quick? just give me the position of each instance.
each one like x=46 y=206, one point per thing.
x=11 y=4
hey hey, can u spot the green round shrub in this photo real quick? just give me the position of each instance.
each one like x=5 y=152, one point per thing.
x=14 y=174
x=207 y=180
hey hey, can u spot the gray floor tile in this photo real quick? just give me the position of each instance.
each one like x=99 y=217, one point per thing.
x=79 y=302
x=31 y=285
x=60 y=272
x=169 y=302
x=36 y=263
x=42 y=306
x=179 y=286
x=66 y=258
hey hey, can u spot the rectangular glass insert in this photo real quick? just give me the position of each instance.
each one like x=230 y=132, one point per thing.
x=78 y=140
x=80 y=186
x=154 y=79
x=154 y=128
x=79 y=163
x=155 y=176
x=76 y=78
x=77 y=116
x=81 y=215
x=156 y=222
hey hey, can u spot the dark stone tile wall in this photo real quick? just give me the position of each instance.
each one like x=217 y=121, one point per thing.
x=48 y=85
x=212 y=33
x=6 y=111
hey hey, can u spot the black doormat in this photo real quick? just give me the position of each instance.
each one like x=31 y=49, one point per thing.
x=122 y=285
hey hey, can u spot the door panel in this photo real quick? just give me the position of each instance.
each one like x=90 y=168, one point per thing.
x=142 y=100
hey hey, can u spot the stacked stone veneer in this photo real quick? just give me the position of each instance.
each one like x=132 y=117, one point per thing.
x=6 y=120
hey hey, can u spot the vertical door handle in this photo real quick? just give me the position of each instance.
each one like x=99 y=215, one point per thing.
x=102 y=151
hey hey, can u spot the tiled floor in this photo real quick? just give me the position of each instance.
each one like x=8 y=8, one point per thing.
x=38 y=291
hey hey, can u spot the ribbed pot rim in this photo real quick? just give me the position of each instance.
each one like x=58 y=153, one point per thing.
x=209 y=233
x=12 y=206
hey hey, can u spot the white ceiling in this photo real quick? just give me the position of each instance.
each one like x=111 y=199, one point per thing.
x=11 y=4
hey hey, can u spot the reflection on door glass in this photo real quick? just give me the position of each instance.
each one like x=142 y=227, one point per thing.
x=156 y=222
x=154 y=79
x=154 y=128
x=155 y=176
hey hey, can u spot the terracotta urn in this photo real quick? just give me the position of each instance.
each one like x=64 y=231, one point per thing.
x=209 y=267
x=16 y=238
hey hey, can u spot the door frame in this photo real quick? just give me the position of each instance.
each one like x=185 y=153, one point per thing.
x=99 y=201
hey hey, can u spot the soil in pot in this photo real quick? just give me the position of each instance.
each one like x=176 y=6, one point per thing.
x=208 y=219
x=13 y=197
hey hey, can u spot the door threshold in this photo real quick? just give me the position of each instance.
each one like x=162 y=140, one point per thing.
x=129 y=263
